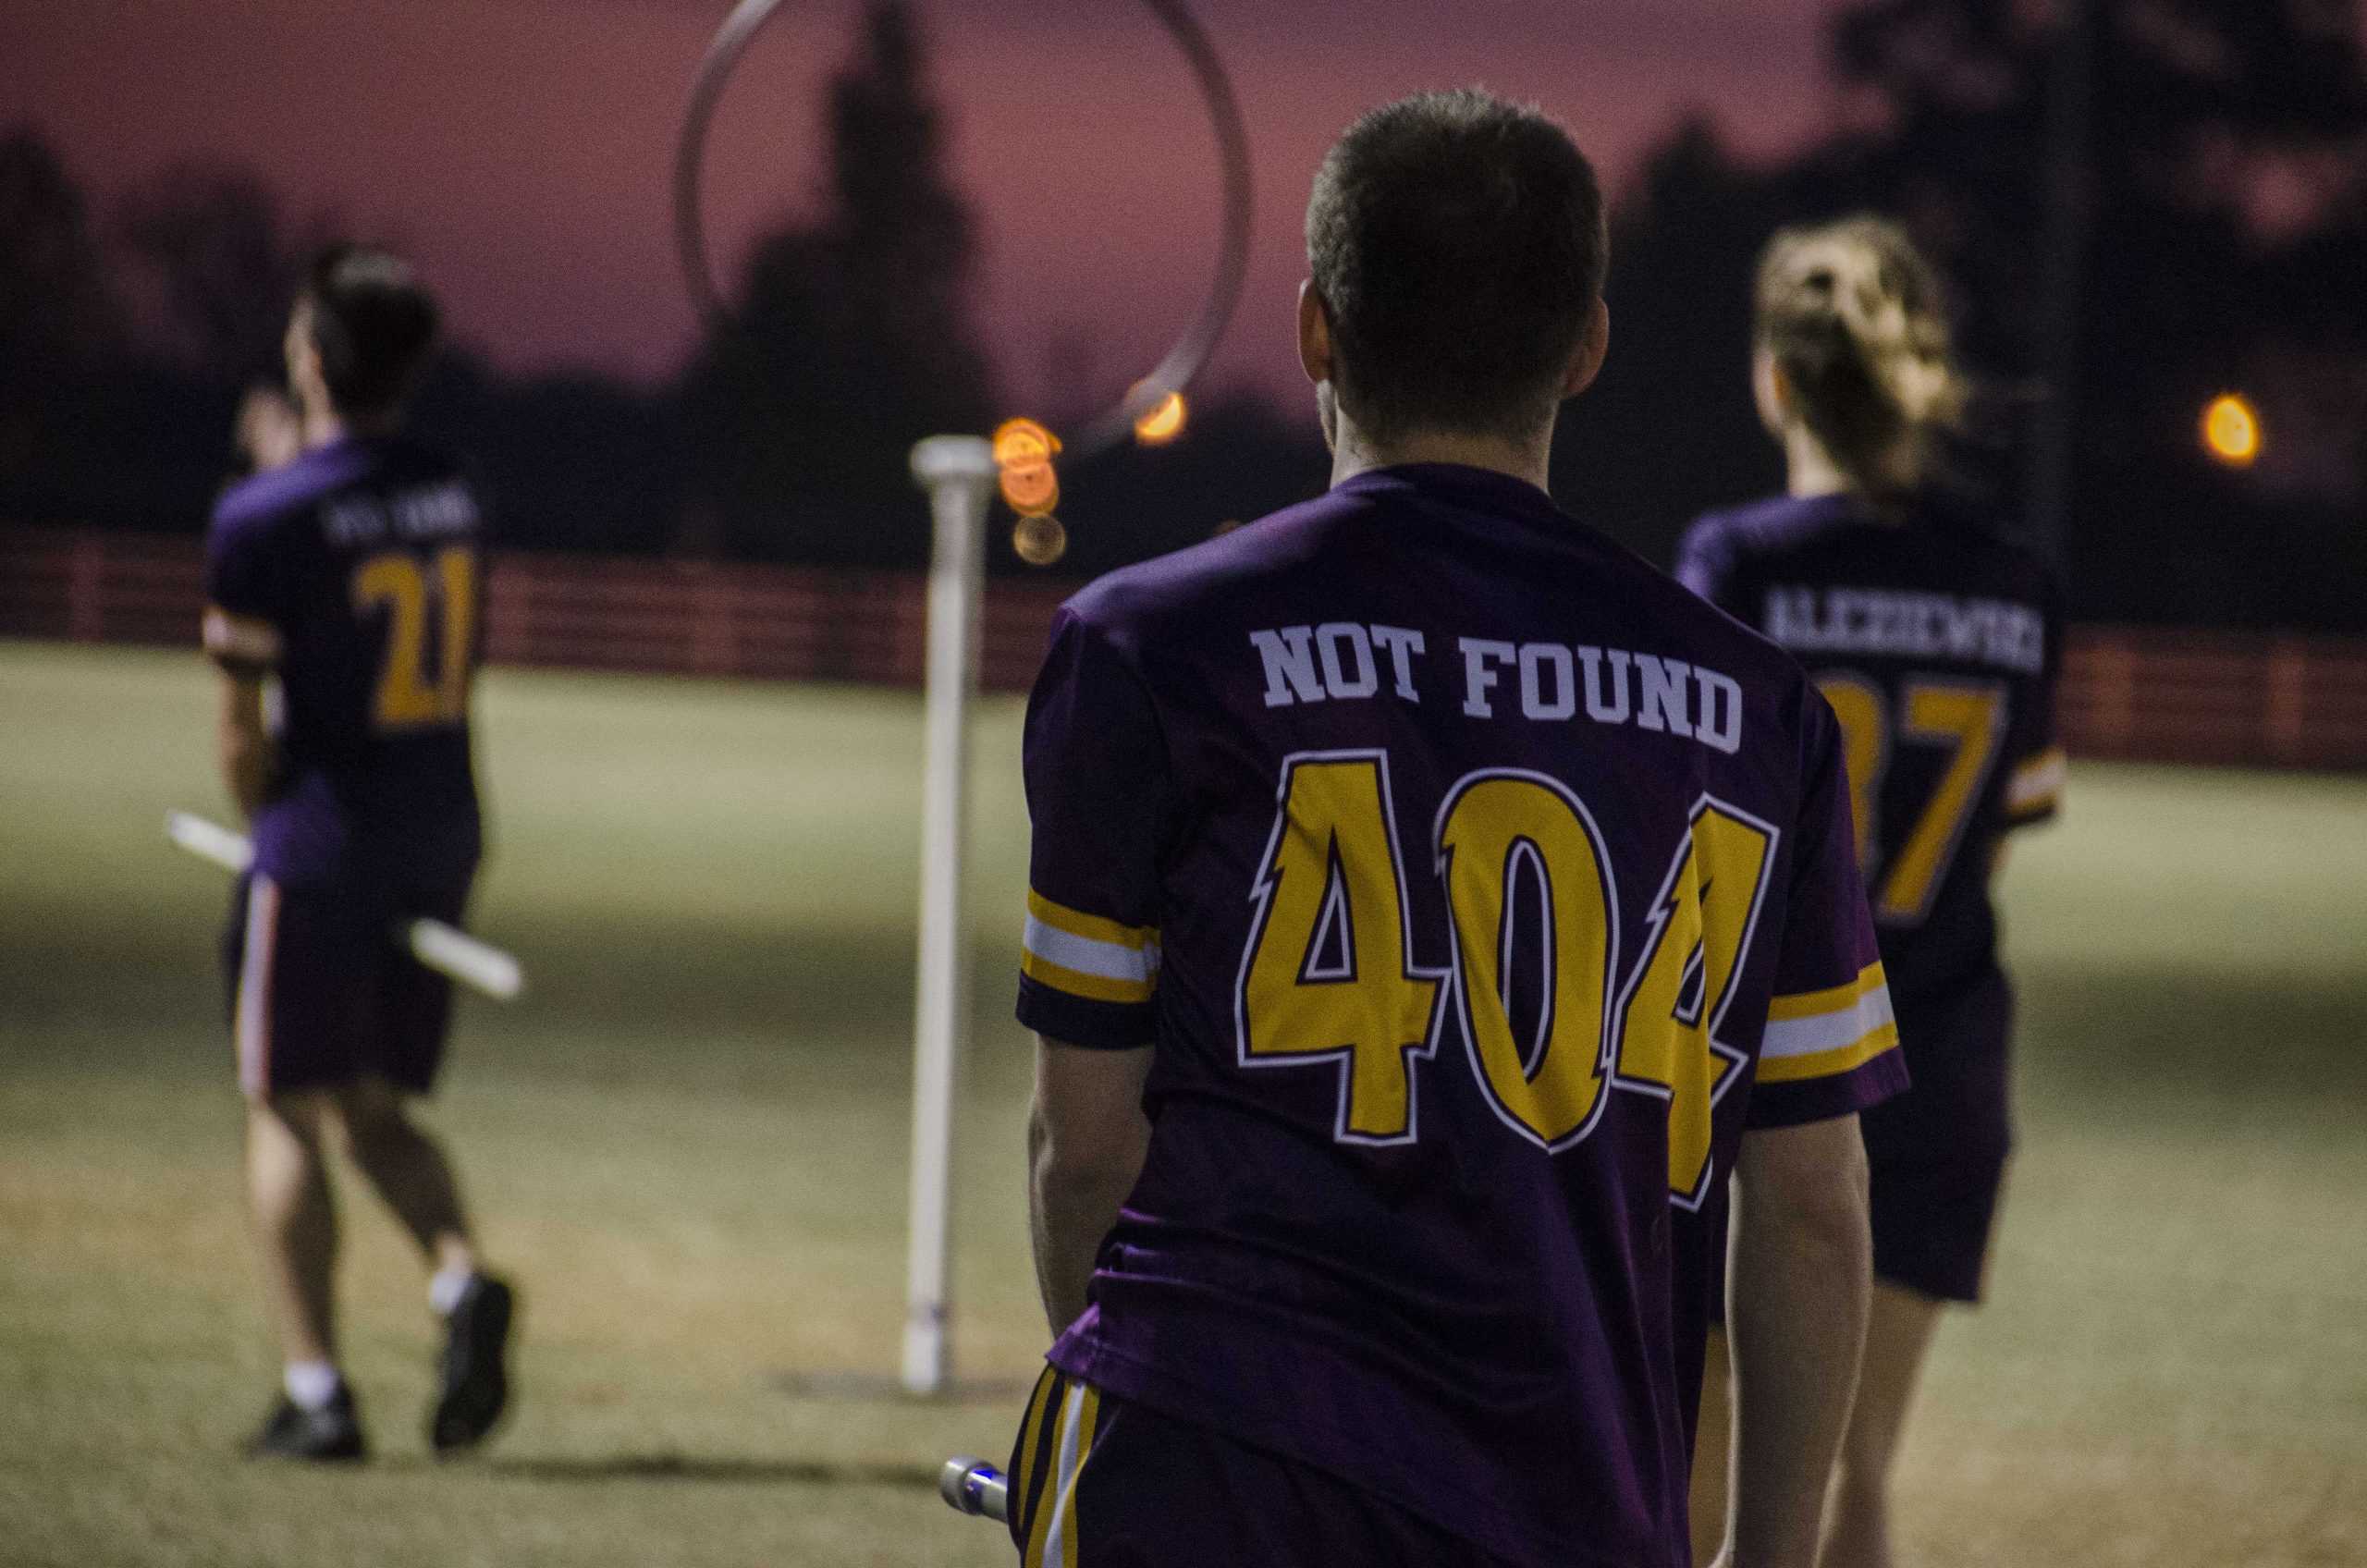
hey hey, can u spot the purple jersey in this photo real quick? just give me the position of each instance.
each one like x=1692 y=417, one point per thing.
x=1937 y=642
x=353 y=572
x=1477 y=887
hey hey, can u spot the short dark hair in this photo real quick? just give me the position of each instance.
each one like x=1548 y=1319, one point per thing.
x=1459 y=245
x=373 y=323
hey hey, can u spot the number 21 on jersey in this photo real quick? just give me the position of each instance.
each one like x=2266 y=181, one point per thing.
x=414 y=593
x=1330 y=976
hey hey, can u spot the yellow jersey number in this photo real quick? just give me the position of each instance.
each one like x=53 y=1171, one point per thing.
x=1968 y=719
x=1329 y=974
x=418 y=595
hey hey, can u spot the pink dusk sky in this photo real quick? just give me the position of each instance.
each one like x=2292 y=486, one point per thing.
x=521 y=149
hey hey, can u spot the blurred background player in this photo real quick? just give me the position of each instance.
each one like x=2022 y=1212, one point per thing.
x=1937 y=642
x=1416 y=875
x=350 y=575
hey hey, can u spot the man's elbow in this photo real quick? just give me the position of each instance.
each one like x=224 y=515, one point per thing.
x=1821 y=1200
x=1835 y=1216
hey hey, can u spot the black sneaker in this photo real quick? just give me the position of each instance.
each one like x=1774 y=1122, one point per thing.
x=473 y=1379
x=330 y=1434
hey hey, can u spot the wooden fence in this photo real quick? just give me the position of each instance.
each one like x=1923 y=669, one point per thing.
x=2142 y=694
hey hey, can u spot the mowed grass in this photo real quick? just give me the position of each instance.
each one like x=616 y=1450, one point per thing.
x=689 y=1144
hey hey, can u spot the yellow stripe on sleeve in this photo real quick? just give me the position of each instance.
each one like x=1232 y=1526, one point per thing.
x=1839 y=998
x=1832 y=1063
x=243 y=638
x=1092 y=927
x=1093 y=987
x=2036 y=787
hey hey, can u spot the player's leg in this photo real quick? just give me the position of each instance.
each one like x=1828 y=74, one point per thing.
x=1898 y=1335
x=411 y=1021
x=1937 y=1159
x=294 y=1217
x=1712 y=1452
x=282 y=1013
x=409 y=1170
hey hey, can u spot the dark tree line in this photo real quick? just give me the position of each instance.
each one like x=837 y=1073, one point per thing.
x=2223 y=246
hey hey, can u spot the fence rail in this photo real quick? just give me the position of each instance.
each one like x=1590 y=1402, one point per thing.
x=2137 y=695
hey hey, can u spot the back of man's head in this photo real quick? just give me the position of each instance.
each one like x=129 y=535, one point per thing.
x=373 y=324
x=1459 y=244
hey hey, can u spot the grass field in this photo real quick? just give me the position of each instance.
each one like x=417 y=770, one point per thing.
x=689 y=1144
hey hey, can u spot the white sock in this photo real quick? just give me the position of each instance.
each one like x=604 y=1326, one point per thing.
x=445 y=1291
x=312 y=1384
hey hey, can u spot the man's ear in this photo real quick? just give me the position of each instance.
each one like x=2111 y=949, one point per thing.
x=1594 y=345
x=1314 y=334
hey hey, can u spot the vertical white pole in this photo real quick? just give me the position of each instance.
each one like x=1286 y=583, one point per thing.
x=959 y=473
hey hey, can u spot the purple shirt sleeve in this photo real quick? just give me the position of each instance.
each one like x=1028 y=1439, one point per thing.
x=247 y=591
x=243 y=574
x=1830 y=1047
x=1097 y=793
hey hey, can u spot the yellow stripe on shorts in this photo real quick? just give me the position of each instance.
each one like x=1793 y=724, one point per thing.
x=1052 y=1534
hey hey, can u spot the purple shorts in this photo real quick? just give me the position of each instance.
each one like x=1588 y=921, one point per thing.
x=323 y=995
x=1935 y=1154
x=1101 y=1483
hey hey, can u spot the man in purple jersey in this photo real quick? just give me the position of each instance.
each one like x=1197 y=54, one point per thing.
x=1430 y=904
x=350 y=575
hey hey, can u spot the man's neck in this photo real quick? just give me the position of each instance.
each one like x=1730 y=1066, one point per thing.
x=1528 y=461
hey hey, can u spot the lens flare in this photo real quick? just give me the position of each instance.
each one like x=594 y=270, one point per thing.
x=1164 y=422
x=1025 y=450
x=1039 y=541
x=2231 y=431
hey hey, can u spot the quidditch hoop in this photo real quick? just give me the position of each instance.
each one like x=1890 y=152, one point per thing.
x=1171 y=374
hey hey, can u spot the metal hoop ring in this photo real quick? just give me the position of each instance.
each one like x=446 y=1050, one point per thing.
x=1171 y=374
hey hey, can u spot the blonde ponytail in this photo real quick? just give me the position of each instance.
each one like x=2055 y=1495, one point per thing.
x=1852 y=314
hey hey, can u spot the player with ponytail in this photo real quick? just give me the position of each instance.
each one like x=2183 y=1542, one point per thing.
x=1936 y=641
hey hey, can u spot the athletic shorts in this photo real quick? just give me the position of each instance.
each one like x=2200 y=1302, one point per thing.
x=322 y=993
x=1097 y=1482
x=1935 y=1154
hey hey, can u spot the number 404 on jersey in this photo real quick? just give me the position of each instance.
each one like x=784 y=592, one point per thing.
x=1331 y=974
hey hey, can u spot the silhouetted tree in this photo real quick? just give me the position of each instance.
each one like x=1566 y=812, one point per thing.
x=851 y=339
x=2195 y=282
x=224 y=265
x=2228 y=162
x=57 y=328
x=1669 y=429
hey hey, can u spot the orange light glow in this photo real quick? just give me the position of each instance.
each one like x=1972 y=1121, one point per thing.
x=1025 y=450
x=2231 y=431
x=1164 y=422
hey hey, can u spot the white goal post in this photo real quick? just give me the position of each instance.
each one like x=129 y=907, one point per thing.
x=959 y=472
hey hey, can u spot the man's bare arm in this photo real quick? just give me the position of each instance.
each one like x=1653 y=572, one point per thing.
x=1087 y=1136
x=1796 y=1294
x=249 y=757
